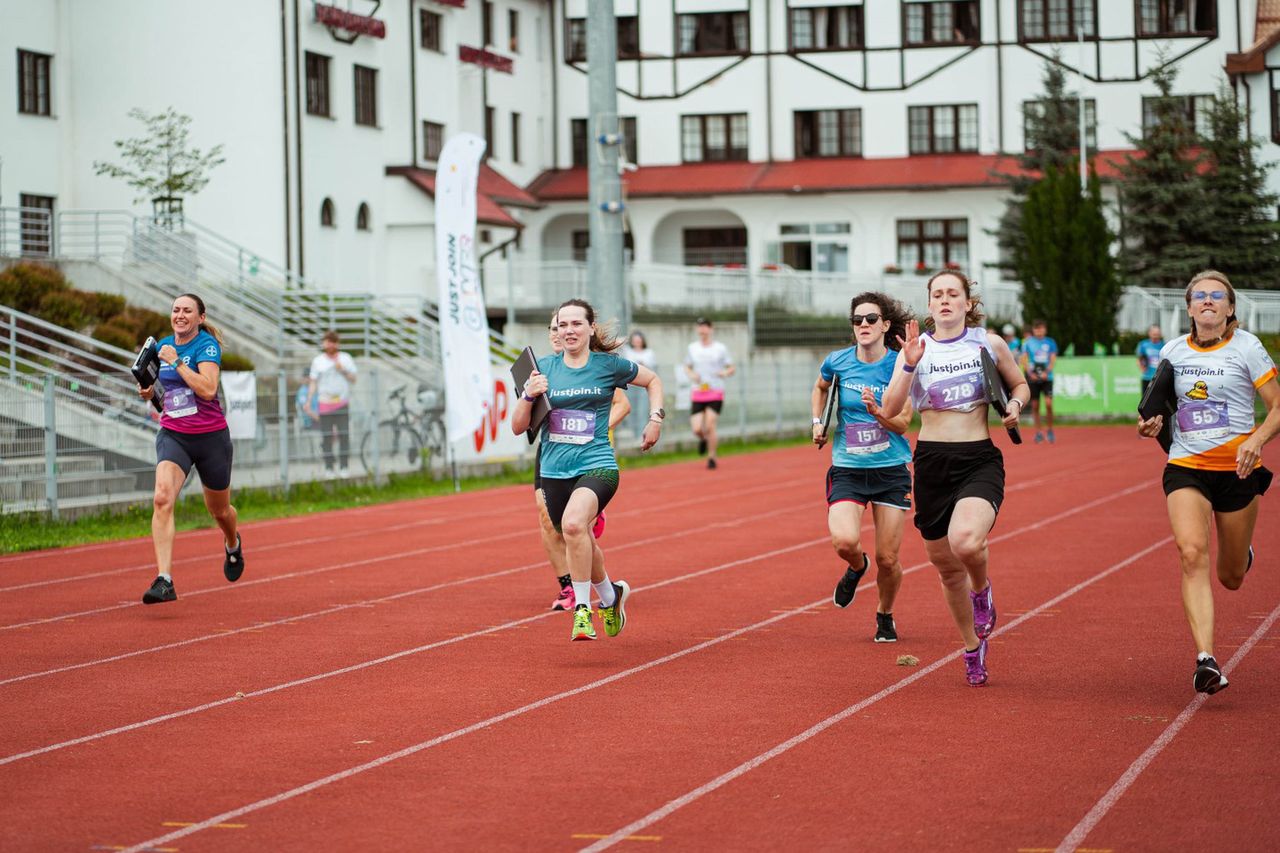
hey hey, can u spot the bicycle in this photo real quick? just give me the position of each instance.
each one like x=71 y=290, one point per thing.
x=406 y=440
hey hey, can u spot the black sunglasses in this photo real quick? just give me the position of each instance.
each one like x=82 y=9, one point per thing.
x=871 y=319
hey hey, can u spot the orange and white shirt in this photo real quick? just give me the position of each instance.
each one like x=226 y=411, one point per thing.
x=1215 y=388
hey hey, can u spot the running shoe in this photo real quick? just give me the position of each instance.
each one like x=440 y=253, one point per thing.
x=597 y=529
x=614 y=617
x=1051 y=436
x=1209 y=678
x=848 y=585
x=233 y=562
x=582 y=627
x=711 y=464
x=1039 y=437
x=565 y=600
x=702 y=446
x=161 y=590
x=886 y=631
x=1249 y=565
x=984 y=612
x=975 y=665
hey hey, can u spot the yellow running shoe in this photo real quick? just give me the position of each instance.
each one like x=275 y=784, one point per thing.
x=615 y=617
x=582 y=627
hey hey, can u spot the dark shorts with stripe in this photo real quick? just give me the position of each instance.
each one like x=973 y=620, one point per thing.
x=1223 y=489
x=889 y=486
x=209 y=452
x=946 y=472
x=556 y=493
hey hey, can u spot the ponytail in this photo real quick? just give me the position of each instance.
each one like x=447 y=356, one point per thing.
x=205 y=325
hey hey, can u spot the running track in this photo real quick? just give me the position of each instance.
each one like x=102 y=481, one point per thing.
x=388 y=678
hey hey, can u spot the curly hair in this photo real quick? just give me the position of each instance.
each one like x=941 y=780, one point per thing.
x=602 y=340
x=890 y=309
x=974 y=316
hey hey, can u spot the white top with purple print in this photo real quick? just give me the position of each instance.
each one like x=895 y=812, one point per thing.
x=949 y=374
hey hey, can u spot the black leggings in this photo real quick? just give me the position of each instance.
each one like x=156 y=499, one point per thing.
x=339 y=422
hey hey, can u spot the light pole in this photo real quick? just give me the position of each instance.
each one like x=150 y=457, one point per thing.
x=604 y=194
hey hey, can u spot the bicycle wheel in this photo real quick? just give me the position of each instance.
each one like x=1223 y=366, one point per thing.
x=399 y=450
x=433 y=432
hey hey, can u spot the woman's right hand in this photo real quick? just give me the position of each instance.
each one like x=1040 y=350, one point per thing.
x=536 y=385
x=1150 y=428
x=912 y=347
x=818 y=438
x=145 y=393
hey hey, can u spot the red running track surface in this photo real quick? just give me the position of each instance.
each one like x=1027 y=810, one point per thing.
x=389 y=678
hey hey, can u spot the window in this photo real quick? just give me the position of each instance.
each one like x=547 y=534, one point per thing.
x=1194 y=108
x=1032 y=109
x=366 y=96
x=432 y=25
x=515 y=137
x=579 y=140
x=513 y=31
x=933 y=23
x=490 y=115
x=817 y=253
x=714 y=137
x=35 y=224
x=317 y=85
x=826 y=28
x=943 y=130
x=829 y=133
x=1056 y=20
x=575 y=39
x=718 y=246
x=432 y=140
x=1177 y=17
x=362 y=217
x=486 y=22
x=326 y=213
x=1275 y=113
x=582 y=242
x=712 y=33
x=33 y=84
x=933 y=243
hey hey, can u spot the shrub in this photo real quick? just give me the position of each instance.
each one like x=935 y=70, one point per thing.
x=103 y=306
x=235 y=361
x=66 y=308
x=117 y=335
x=25 y=285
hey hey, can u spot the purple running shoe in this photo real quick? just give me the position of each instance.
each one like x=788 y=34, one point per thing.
x=984 y=612
x=975 y=665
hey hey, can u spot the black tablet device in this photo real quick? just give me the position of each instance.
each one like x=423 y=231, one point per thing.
x=146 y=370
x=1160 y=399
x=997 y=394
x=829 y=410
x=521 y=369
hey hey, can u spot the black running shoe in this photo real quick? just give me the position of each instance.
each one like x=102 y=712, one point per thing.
x=702 y=446
x=1209 y=678
x=1249 y=565
x=848 y=585
x=886 y=631
x=161 y=590
x=711 y=464
x=233 y=563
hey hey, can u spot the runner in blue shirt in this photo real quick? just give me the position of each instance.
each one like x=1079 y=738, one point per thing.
x=578 y=467
x=869 y=454
x=1039 y=355
x=1148 y=354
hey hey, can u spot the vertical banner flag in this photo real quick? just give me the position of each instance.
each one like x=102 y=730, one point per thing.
x=240 y=389
x=464 y=326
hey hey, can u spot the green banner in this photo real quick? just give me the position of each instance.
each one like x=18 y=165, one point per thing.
x=1100 y=385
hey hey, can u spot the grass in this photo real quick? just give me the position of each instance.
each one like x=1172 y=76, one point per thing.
x=33 y=531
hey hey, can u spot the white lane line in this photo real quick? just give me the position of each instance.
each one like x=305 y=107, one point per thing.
x=813 y=731
x=1086 y=825
x=540 y=703
x=339 y=608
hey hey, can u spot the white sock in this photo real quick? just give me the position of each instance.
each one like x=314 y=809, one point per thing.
x=166 y=576
x=604 y=589
x=582 y=593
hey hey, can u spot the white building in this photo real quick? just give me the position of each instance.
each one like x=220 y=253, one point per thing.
x=826 y=135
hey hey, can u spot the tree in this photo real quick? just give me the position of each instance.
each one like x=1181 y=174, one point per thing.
x=1166 y=224
x=1064 y=259
x=161 y=165
x=1243 y=241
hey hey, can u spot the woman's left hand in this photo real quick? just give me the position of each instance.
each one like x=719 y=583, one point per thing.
x=1248 y=456
x=652 y=432
x=168 y=354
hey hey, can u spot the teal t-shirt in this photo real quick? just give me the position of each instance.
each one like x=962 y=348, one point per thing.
x=860 y=441
x=575 y=436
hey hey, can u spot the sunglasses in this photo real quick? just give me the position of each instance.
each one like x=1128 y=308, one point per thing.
x=870 y=319
x=1202 y=295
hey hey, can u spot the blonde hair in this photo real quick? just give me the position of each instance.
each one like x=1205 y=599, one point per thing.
x=1232 y=321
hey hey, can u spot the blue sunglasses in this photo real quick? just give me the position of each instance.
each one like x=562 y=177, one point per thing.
x=1202 y=295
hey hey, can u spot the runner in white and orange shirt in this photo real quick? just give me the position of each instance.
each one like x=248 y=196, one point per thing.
x=1215 y=473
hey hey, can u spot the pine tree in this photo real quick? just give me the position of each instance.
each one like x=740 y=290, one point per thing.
x=1064 y=260
x=1162 y=197
x=1244 y=241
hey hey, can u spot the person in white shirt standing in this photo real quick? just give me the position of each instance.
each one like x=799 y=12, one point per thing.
x=708 y=365
x=332 y=374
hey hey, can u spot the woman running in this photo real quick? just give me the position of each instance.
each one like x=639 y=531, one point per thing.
x=552 y=541
x=1215 y=476
x=193 y=431
x=959 y=472
x=869 y=454
x=579 y=469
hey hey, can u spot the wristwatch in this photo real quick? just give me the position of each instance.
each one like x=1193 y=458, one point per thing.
x=658 y=414
x=817 y=421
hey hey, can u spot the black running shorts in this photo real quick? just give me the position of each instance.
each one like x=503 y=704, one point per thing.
x=713 y=405
x=602 y=481
x=947 y=471
x=537 y=468
x=1225 y=491
x=1040 y=386
x=889 y=486
x=209 y=452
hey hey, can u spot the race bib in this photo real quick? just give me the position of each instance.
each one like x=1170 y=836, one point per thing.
x=957 y=391
x=865 y=438
x=571 y=426
x=179 y=402
x=1204 y=419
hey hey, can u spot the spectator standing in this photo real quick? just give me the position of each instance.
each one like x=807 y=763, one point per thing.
x=1149 y=354
x=333 y=372
x=1039 y=356
x=637 y=350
